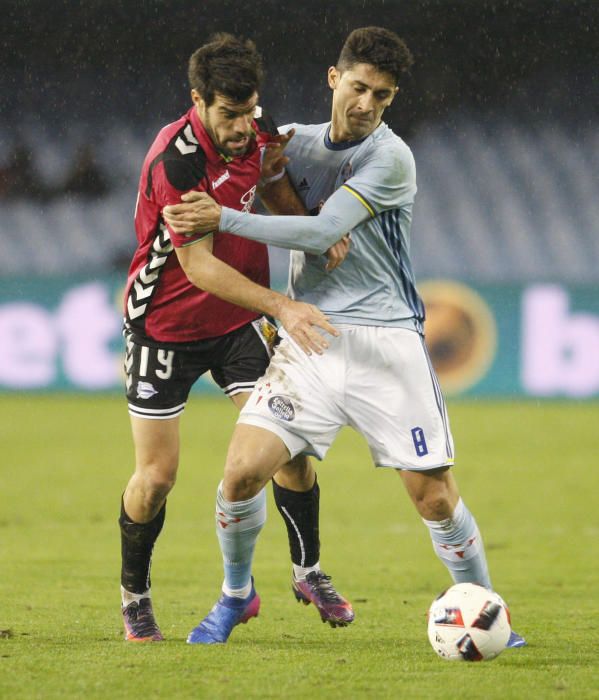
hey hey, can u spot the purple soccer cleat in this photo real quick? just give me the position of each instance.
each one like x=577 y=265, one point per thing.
x=140 y=625
x=218 y=624
x=318 y=590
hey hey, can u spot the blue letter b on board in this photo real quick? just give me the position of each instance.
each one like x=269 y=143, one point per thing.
x=419 y=442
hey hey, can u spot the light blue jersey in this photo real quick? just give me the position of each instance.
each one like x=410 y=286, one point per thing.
x=369 y=188
x=375 y=283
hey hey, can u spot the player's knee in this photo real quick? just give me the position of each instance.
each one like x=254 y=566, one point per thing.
x=435 y=506
x=157 y=480
x=241 y=490
x=241 y=487
x=241 y=480
x=162 y=484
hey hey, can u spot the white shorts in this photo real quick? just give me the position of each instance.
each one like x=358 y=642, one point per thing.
x=378 y=380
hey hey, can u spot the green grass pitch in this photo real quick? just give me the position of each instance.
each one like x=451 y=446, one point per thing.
x=528 y=471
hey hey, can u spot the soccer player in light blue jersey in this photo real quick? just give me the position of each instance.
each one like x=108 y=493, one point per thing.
x=355 y=175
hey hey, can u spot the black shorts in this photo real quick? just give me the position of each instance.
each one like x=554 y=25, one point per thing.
x=159 y=379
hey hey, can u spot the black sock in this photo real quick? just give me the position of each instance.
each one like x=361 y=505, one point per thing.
x=137 y=543
x=300 y=511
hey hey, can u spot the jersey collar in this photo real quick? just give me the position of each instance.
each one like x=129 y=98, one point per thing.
x=342 y=145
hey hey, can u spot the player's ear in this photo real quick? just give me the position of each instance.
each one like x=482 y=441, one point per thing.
x=196 y=98
x=333 y=77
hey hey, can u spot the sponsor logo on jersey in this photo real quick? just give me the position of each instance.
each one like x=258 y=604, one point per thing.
x=281 y=407
x=303 y=185
x=145 y=390
x=347 y=171
x=219 y=181
x=247 y=199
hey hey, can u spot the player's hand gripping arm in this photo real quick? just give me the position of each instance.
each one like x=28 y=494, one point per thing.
x=275 y=189
x=300 y=320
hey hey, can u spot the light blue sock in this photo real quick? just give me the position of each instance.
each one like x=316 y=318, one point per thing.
x=459 y=545
x=238 y=525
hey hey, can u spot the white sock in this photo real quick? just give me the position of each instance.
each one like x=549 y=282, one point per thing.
x=128 y=597
x=459 y=545
x=237 y=592
x=300 y=572
x=238 y=524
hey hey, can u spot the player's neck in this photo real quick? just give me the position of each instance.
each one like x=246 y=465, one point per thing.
x=340 y=134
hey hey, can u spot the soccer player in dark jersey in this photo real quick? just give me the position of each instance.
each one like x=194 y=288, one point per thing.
x=195 y=303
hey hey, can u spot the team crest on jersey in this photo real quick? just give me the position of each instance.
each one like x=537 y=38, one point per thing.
x=281 y=407
x=145 y=390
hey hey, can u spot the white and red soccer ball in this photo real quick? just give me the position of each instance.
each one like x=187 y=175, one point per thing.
x=468 y=622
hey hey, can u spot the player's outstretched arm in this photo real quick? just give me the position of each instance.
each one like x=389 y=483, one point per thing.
x=312 y=234
x=212 y=275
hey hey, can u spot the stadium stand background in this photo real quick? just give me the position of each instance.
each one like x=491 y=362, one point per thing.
x=501 y=110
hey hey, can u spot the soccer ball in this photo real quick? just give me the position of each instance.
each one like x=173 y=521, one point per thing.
x=468 y=622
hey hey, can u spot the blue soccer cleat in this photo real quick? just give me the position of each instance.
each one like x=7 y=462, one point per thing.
x=515 y=641
x=218 y=624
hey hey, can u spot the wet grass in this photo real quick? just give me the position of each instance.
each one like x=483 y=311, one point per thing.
x=527 y=470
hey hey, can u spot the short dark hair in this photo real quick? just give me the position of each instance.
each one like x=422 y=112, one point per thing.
x=228 y=65
x=378 y=47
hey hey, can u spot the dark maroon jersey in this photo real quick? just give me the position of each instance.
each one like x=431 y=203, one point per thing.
x=160 y=302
